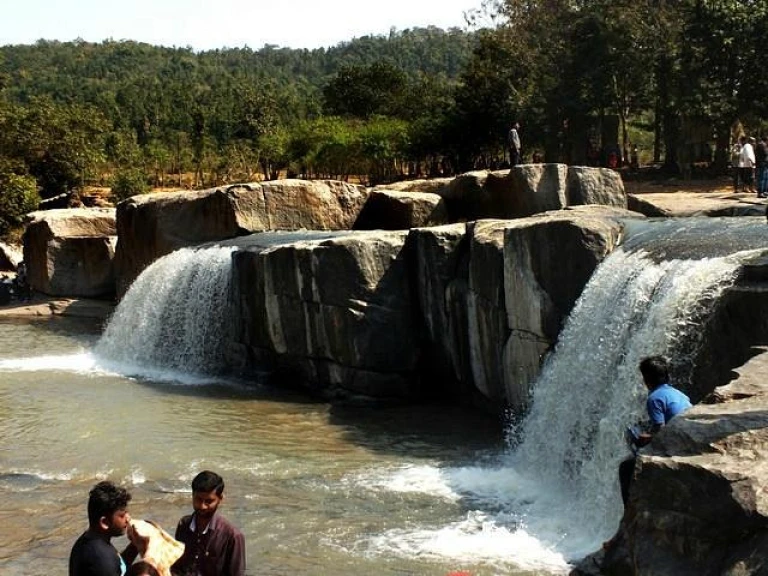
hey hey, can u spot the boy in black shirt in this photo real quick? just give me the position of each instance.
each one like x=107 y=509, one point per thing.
x=93 y=553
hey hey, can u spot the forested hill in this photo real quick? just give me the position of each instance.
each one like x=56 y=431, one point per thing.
x=107 y=72
x=131 y=115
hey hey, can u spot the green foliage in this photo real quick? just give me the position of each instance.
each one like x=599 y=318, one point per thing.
x=128 y=182
x=71 y=112
x=362 y=91
x=18 y=196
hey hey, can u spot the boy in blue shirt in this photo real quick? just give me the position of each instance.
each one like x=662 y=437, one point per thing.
x=664 y=403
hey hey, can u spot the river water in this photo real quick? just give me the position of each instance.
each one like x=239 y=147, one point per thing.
x=315 y=489
x=349 y=490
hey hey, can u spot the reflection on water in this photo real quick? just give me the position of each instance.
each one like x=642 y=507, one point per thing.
x=316 y=489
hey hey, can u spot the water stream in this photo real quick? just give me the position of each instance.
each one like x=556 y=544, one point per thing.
x=335 y=490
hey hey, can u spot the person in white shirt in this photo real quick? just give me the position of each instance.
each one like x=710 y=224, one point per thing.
x=747 y=164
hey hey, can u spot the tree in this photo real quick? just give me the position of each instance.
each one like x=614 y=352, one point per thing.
x=363 y=91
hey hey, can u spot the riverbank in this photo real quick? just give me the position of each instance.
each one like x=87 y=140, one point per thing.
x=40 y=307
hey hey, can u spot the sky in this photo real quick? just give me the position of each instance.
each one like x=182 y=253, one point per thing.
x=208 y=24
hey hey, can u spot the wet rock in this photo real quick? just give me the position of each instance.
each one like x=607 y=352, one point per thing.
x=334 y=314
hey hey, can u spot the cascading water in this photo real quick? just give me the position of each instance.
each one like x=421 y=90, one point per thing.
x=554 y=497
x=174 y=319
x=590 y=390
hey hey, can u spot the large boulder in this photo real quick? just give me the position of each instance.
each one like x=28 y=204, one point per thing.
x=548 y=262
x=536 y=188
x=698 y=504
x=69 y=252
x=152 y=225
x=494 y=295
x=393 y=210
x=602 y=186
x=530 y=189
x=334 y=313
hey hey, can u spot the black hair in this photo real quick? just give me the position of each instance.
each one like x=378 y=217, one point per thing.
x=105 y=499
x=142 y=568
x=207 y=481
x=655 y=370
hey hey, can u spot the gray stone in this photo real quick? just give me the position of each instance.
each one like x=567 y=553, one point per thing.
x=536 y=188
x=334 y=312
x=10 y=256
x=393 y=210
x=70 y=252
x=588 y=185
x=152 y=225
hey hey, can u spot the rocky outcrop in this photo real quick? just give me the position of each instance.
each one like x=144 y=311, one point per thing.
x=442 y=311
x=10 y=256
x=494 y=294
x=427 y=185
x=476 y=195
x=393 y=210
x=537 y=188
x=152 y=225
x=595 y=186
x=698 y=503
x=70 y=252
x=530 y=189
x=333 y=313
x=686 y=204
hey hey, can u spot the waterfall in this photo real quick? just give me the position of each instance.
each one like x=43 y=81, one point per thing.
x=570 y=445
x=174 y=318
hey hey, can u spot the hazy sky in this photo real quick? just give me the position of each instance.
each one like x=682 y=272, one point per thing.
x=205 y=24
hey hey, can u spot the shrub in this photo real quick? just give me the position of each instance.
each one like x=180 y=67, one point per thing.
x=127 y=183
x=18 y=196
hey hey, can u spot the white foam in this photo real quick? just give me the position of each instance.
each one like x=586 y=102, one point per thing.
x=478 y=539
x=79 y=363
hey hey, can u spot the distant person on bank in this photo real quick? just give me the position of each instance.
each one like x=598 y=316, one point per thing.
x=747 y=164
x=93 y=553
x=213 y=546
x=663 y=404
x=513 y=142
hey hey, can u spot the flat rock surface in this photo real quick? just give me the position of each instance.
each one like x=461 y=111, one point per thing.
x=695 y=197
x=74 y=308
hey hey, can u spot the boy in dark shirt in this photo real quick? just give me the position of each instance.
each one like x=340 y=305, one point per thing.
x=213 y=546
x=93 y=553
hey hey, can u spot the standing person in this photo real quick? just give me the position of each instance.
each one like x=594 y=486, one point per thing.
x=213 y=546
x=93 y=553
x=513 y=142
x=747 y=165
x=663 y=404
x=761 y=159
x=735 y=156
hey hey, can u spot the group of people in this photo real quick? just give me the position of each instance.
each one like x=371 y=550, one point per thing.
x=205 y=543
x=749 y=159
